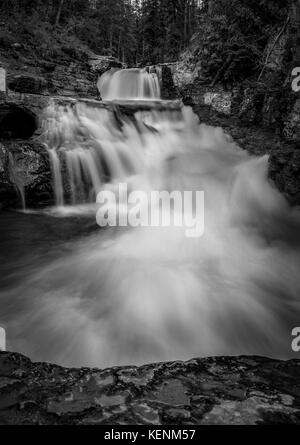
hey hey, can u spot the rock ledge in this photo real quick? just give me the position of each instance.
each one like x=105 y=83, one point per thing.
x=222 y=390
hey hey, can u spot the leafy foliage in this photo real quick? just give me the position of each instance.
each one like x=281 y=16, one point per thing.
x=232 y=38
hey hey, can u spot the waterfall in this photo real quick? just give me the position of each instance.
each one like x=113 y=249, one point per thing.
x=130 y=84
x=57 y=177
x=17 y=180
x=89 y=147
x=131 y=295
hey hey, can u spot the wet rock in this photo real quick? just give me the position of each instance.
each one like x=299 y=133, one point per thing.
x=72 y=79
x=16 y=121
x=172 y=392
x=26 y=83
x=30 y=171
x=2 y=82
x=66 y=72
x=258 y=141
x=24 y=165
x=34 y=104
x=284 y=169
x=8 y=192
x=100 y=64
x=222 y=390
x=292 y=123
x=24 y=174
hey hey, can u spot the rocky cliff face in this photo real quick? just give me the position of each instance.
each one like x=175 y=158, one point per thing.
x=64 y=69
x=265 y=110
x=262 y=120
x=70 y=77
x=208 y=391
x=26 y=87
x=24 y=174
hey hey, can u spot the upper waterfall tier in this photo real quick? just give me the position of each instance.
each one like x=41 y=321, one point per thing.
x=129 y=84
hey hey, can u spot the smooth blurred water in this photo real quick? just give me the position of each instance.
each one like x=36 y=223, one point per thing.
x=78 y=295
x=129 y=84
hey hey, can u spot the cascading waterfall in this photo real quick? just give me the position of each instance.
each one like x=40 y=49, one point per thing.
x=75 y=153
x=57 y=177
x=87 y=147
x=17 y=181
x=130 y=84
x=134 y=295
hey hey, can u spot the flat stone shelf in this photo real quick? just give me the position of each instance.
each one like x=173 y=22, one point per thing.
x=124 y=105
x=206 y=391
x=33 y=106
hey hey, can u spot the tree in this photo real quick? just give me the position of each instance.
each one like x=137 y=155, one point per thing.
x=294 y=15
x=135 y=31
x=58 y=15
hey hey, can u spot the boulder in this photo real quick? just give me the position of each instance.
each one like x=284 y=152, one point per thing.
x=207 y=391
x=25 y=173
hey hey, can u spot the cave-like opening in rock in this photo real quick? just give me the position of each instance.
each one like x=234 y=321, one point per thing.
x=16 y=122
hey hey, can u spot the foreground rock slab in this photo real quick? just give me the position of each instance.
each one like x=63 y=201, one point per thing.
x=222 y=390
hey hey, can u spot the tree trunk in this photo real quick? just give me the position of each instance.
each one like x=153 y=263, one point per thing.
x=61 y=4
x=111 y=40
x=185 y=22
x=295 y=32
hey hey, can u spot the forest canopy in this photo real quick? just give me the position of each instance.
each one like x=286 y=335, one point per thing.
x=134 y=31
x=229 y=35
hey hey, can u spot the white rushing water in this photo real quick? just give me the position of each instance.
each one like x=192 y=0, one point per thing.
x=130 y=84
x=17 y=181
x=136 y=295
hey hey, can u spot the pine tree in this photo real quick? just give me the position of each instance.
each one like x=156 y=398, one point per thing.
x=135 y=31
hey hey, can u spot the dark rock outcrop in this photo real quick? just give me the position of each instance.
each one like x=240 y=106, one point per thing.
x=26 y=83
x=8 y=192
x=168 y=89
x=260 y=122
x=24 y=174
x=70 y=71
x=223 y=390
x=262 y=103
x=16 y=121
x=284 y=169
x=30 y=171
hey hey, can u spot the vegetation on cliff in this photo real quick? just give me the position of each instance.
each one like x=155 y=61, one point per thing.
x=131 y=30
x=230 y=43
